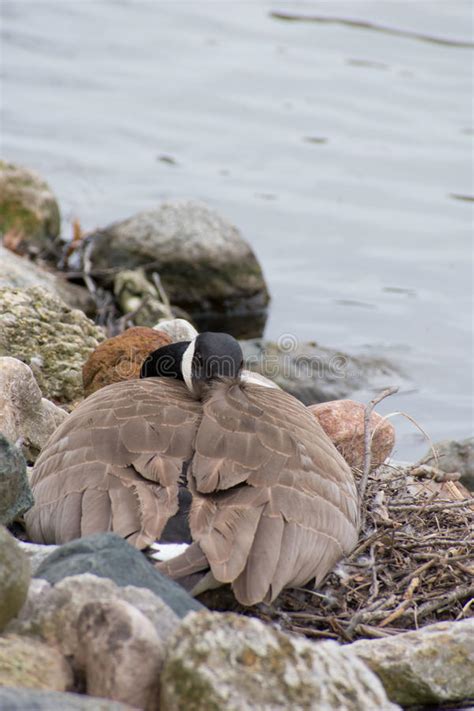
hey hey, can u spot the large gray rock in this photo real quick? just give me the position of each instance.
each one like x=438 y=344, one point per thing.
x=17 y=699
x=24 y=414
x=120 y=653
x=315 y=374
x=29 y=213
x=20 y=273
x=53 y=339
x=14 y=577
x=454 y=456
x=226 y=661
x=109 y=556
x=204 y=263
x=15 y=492
x=32 y=664
x=433 y=665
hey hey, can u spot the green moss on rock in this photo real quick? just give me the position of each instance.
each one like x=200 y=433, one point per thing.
x=14 y=577
x=53 y=339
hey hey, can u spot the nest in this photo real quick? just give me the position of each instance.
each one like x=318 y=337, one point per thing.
x=413 y=566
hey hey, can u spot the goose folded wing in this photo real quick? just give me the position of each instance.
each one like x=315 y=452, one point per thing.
x=115 y=464
x=274 y=504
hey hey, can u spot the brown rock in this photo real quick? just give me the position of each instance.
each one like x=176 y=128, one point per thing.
x=343 y=422
x=121 y=357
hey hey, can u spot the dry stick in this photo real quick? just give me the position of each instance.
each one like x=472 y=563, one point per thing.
x=367 y=438
x=427 y=508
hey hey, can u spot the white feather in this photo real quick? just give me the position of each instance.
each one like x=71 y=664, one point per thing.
x=166 y=551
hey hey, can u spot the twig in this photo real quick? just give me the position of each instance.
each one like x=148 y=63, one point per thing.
x=367 y=438
x=428 y=508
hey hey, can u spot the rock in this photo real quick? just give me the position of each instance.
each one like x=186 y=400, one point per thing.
x=227 y=661
x=24 y=414
x=54 y=340
x=52 y=613
x=29 y=213
x=36 y=553
x=121 y=653
x=14 y=577
x=314 y=374
x=204 y=263
x=16 y=699
x=120 y=357
x=109 y=556
x=32 y=664
x=343 y=422
x=20 y=273
x=431 y=666
x=15 y=492
x=454 y=456
x=178 y=329
x=137 y=296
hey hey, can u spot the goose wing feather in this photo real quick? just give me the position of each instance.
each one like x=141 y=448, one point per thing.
x=115 y=464
x=274 y=503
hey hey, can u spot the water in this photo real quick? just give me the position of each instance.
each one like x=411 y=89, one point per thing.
x=337 y=150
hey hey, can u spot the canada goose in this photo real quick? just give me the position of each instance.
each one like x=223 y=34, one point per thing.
x=271 y=502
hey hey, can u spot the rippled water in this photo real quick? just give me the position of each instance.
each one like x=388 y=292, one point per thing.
x=342 y=153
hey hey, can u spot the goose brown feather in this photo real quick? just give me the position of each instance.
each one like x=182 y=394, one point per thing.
x=273 y=502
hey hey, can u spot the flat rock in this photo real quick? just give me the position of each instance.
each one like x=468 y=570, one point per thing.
x=121 y=357
x=109 y=556
x=17 y=699
x=32 y=664
x=24 y=414
x=226 y=661
x=14 y=577
x=52 y=612
x=431 y=666
x=454 y=456
x=121 y=653
x=15 y=492
x=315 y=374
x=343 y=422
x=29 y=212
x=204 y=263
x=53 y=339
x=20 y=273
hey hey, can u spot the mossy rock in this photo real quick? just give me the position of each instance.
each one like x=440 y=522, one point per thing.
x=28 y=209
x=39 y=329
x=14 y=577
x=228 y=661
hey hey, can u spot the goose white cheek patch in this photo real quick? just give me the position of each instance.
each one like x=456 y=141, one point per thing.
x=186 y=365
x=166 y=551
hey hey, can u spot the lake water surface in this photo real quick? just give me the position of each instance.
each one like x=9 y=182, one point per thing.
x=344 y=155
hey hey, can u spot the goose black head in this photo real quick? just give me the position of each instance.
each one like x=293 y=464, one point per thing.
x=209 y=356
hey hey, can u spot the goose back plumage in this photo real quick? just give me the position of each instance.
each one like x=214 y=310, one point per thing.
x=273 y=502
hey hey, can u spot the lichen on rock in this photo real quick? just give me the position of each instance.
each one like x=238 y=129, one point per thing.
x=31 y=664
x=53 y=339
x=218 y=661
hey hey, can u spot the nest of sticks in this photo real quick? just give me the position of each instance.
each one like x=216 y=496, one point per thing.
x=413 y=566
